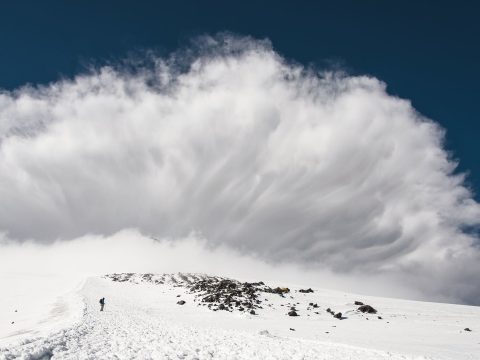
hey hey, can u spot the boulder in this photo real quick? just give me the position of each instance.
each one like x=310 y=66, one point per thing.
x=309 y=290
x=292 y=313
x=367 y=309
x=338 y=316
x=358 y=303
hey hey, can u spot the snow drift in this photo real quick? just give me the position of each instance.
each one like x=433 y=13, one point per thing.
x=256 y=154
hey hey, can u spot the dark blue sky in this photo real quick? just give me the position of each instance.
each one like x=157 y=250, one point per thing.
x=426 y=51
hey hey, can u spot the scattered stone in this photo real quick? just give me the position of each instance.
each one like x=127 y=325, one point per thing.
x=233 y=294
x=13 y=322
x=277 y=290
x=380 y=318
x=181 y=302
x=358 y=303
x=467 y=329
x=252 y=312
x=309 y=290
x=367 y=309
x=292 y=313
x=178 y=295
x=292 y=329
x=338 y=316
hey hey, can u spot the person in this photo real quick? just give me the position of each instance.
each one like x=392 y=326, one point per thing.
x=102 y=303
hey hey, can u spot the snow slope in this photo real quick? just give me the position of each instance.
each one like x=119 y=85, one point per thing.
x=35 y=305
x=143 y=321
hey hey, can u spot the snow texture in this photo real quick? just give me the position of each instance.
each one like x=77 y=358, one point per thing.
x=142 y=320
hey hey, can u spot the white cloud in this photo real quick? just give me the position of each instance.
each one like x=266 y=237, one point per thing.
x=258 y=155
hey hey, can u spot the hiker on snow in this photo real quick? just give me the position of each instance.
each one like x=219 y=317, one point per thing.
x=102 y=303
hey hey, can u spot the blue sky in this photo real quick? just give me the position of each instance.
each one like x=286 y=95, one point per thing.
x=426 y=51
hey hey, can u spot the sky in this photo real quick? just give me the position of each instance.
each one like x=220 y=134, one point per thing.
x=324 y=139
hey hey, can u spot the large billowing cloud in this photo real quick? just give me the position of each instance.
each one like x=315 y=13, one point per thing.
x=256 y=154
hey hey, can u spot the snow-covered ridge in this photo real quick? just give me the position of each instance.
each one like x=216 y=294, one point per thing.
x=220 y=293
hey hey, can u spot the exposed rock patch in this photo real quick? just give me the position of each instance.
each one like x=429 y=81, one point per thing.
x=306 y=291
x=367 y=309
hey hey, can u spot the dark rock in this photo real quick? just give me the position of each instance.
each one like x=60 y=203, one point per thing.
x=338 y=316
x=221 y=307
x=209 y=298
x=252 y=312
x=278 y=290
x=380 y=318
x=367 y=309
x=292 y=329
x=309 y=290
x=181 y=302
x=178 y=295
x=292 y=313
x=467 y=329
x=358 y=303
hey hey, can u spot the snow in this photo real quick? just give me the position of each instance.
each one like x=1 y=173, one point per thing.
x=143 y=321
x=35 y=305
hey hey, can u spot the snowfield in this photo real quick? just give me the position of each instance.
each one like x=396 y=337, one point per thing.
x=142 y=320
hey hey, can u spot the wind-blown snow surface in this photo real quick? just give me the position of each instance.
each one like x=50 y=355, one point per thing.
x=36 y=304
x=142 y=320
